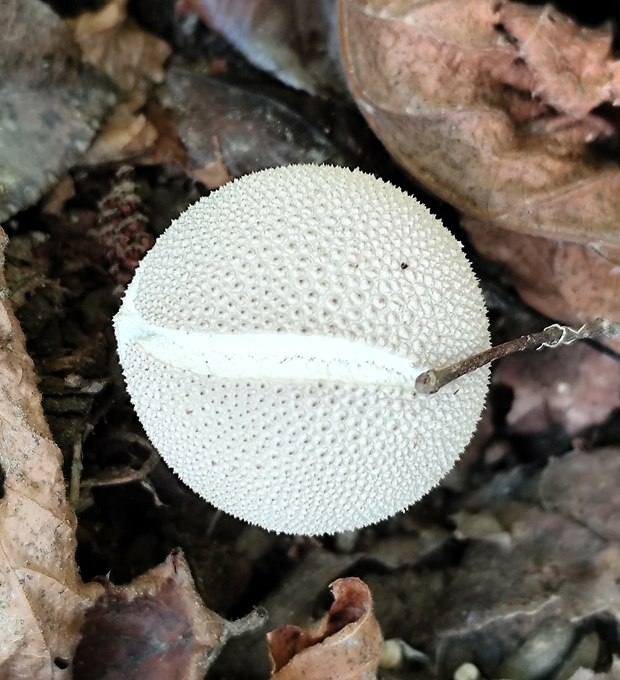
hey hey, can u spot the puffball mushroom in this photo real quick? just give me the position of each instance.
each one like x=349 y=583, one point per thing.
x=271 y=340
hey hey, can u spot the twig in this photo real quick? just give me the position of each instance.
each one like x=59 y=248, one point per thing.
x=552 y=336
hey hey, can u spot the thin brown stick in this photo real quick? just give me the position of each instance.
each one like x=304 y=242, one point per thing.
x=552 y=336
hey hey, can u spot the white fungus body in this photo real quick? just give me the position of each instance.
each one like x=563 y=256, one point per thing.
x=272 y=337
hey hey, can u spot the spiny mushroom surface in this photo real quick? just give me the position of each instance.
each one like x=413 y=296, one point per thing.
x=272 y=337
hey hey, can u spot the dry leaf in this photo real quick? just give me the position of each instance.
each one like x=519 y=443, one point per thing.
x=536 y=546
x=155 y=628
x=575 y=387
x=133 y=58
x=500 y=108
x=119 y=47
x=562 y=279
x=296 y=40
x=213 y=175
x=544 y=564
x=573 y=76
x=229 y=131
x=293 y=601
x=346 y=643
x=584 y=486
x=42 y=600
x=473 y=153
x=50 y=103
x=168 y=148
x=127 y=133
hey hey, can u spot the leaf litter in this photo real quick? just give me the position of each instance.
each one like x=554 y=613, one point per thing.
x=511 y=565
x=51 y=106
x=42 y=599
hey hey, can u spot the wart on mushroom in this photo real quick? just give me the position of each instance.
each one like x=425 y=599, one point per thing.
x=272 y=338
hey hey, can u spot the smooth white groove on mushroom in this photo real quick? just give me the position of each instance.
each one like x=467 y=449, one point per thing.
x=265 y=356
x=271 y=340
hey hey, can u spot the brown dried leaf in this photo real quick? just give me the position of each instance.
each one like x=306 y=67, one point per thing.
x=295 y=598
x=126 y=133
x=291 y=602
x=156 y=628
x=575 y=387
x=50 y=105
x=138 y=132
x=213 y=175
x=168 y=148
x=119 y=47
x=562 y=279
x=569 y=67
x=296 y=40
x=42 y=600
x=404 y=77
x=496 y=107
x=346 y=643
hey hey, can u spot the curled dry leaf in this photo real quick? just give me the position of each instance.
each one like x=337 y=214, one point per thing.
x=293 y=601
x=296 y=40
x=50 y=104
x=506 y=111
x=346 y=643
x=156 y=628
x=42 y=600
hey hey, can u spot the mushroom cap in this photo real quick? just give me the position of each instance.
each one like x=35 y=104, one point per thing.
x=271 y=339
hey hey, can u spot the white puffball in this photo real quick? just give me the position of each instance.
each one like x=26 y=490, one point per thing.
x=272 y=337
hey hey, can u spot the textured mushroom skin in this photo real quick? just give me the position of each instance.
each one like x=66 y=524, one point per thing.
x=305 y=252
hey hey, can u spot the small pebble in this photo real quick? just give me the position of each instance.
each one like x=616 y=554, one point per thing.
x=398 y=654
x=467 y=671
x=392 y=655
